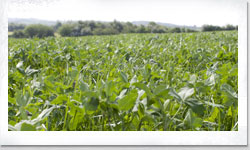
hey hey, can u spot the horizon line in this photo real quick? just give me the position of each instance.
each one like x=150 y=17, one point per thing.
x=75 y=20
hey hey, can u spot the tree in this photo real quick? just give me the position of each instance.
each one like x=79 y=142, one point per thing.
x=98 y=31
x=128 y=27
x=57 y=25
x=92 y=25
x=141 y=29
x=159 y=29
x=86 y=31
x=190 y=30
x=19 y=34
x=117 y=26
x=66 y=30
x=175 y=30
x=151 y=26
x=230 y=27
x=38 y=30
x=14 y=26
x=210 y=28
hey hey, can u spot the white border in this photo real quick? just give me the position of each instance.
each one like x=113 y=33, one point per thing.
x=126 y=137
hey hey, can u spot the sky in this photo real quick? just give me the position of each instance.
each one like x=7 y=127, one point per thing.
x=181 y=12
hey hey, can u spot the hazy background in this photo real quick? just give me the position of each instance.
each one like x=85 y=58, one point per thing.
x=181 y=12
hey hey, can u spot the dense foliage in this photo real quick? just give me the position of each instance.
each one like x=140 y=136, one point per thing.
x=218 y=28
x=38 y=30
x=142 y=82
x=14 y=27
x=84 y=28
x=19 y=34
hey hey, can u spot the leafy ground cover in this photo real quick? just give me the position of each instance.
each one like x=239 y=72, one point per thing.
x=133 y=82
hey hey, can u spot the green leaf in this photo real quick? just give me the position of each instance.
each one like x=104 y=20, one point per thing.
x=21 y=71
x=211 y=80
x=48 y=83
x=61 y=85
x=19 y=64
x=59 y=99
x=128 y=101
x=68 y=56
x=89 y=94
x=185 y=92
x=214 y=105
x=122 y=94
x=133 y=80
x=192 y=121
x=124 y=77
x=141 y=110
x=143 y=87
x=23 y=112
x=29 y=71
x=229 y=90
x=214 y=114
x=109 y=87
x=173 y=93
x=162 y=91
x=196 y=106
x=166 y=105
x=19 y=67
x=45 y=113
x=92 y=104
x=148 y=118
x=27 y=127
x=22 y=100
x=73 y=72
x=84 y=86
x=192 y=79
x=19 y=99
x=18 y=126
x=11 y=100
x=229 y=95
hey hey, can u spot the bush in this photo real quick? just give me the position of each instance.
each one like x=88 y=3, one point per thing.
x=66 y=30
x=105 y=31
x=38 y=30
x=230 y=27
x=175 y=30
x=210 y=28
x=18 y=34
x=85 y=31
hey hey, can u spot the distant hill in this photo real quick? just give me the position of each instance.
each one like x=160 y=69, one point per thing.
x=47 y=22
x=30 y=21
x=165 y=24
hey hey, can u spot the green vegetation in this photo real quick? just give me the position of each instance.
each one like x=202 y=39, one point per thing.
x=38 y=30
x=65 y=30
x=18 y=34
x=85 y=28
x=126 y=82
x=12 y=27
x=34 y=30
x=218 y=28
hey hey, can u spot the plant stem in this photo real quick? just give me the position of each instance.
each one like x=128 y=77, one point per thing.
x=66 y=114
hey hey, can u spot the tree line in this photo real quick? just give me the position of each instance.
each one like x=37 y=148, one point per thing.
x=84 y=28
x=218 y=28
